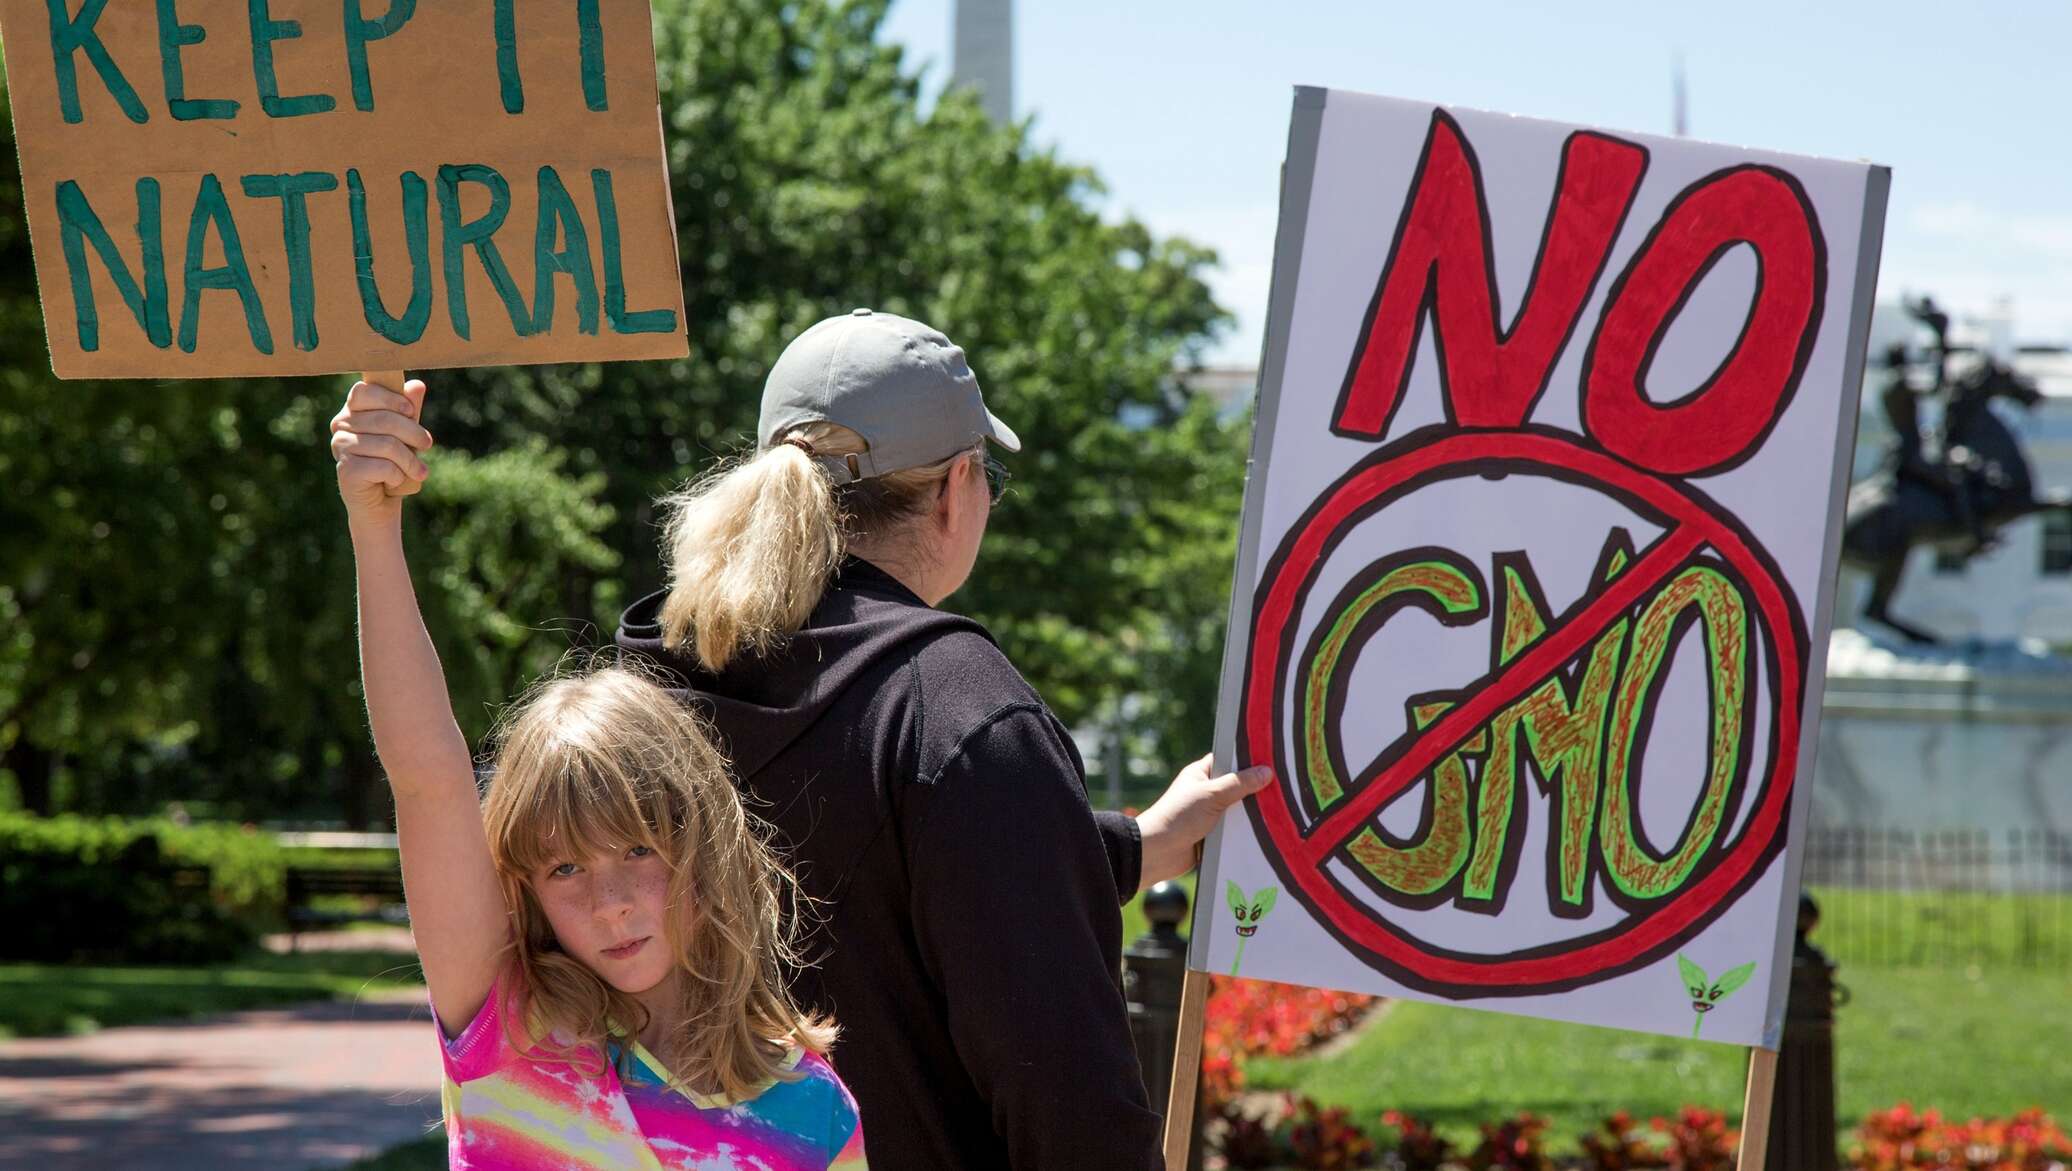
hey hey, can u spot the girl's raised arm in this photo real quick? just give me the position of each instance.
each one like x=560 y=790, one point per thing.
x=457 y=910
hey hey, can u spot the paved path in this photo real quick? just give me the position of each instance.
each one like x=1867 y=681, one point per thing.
x=280 y=1089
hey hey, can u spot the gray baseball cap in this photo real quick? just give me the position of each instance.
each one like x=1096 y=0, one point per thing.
x=898 y=383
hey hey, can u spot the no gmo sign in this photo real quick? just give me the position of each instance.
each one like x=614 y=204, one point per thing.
x=1590 y=777
x=1574 y=693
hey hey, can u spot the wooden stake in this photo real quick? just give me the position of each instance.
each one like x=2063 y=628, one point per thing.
x=1755 y=1109
x=386 y=379
x=1179 y=1112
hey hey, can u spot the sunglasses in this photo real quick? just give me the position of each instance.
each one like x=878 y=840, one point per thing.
x=996 y=477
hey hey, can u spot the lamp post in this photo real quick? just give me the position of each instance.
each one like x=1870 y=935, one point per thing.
x=1802 y=1123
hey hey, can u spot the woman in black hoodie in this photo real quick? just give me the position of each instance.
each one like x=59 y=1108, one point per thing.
x=965 y=897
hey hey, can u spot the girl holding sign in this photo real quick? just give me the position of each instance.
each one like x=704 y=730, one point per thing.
x=968 y=935
x=603 y=934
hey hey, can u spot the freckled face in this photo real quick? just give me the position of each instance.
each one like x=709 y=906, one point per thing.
x=610 y=911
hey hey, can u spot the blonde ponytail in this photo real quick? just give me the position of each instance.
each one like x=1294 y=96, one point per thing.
x=751 y=547
x=753 y=544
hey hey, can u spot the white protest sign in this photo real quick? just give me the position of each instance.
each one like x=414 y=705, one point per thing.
x=1538 y=565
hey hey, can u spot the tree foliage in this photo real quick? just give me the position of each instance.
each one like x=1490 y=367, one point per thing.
x=177 y=588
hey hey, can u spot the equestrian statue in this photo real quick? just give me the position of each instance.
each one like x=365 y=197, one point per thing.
x=1953 y=490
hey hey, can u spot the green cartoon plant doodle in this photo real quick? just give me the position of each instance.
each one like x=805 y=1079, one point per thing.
x=1705 y=994
x=1248 y=912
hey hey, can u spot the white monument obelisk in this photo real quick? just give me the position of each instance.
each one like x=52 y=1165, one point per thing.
x=983 y=54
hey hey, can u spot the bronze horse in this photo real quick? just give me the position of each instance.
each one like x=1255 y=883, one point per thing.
x=1958 y=504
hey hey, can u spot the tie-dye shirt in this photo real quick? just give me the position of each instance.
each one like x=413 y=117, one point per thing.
x=506 y=1111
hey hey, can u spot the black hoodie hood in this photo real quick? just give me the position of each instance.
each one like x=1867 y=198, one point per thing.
x=761 y=705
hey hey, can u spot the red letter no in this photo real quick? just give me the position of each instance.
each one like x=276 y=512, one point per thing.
x=1724 y=420
x=1440 y=264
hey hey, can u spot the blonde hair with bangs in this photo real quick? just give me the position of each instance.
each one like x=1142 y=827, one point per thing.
x=753 y=543
x=606 y=760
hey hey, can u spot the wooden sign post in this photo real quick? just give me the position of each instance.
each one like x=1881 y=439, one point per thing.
x=1537 y=570
x=1755 y=1109
x=276 y=187
x=1180 y=1099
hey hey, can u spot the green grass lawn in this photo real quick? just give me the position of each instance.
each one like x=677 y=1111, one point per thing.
x=1986 y=1045
x=1953 y=929
x=45 y=1000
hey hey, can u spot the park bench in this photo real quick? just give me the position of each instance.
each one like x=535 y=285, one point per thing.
x=306 y=884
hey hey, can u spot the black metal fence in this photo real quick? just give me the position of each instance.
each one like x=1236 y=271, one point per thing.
x=1956 y=899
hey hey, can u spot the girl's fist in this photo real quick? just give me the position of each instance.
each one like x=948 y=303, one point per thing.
x=376 y=441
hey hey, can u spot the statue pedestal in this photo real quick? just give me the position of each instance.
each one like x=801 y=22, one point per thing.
x=1973 y=737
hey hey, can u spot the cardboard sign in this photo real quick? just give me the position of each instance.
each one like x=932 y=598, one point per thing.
x=1538 y=566
x=272 y=187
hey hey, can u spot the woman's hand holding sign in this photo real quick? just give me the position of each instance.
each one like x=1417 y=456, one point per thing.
x=376 y=440
x=1174 y=826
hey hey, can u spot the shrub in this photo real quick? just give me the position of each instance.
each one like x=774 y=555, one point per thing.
x=1619 y=1144
x=1251 y=1142
x=1418 y=1146
x=1699 y=1140
x=247 y=870
x=107 y=890
x=1514 y=1144
x=1327 y=1139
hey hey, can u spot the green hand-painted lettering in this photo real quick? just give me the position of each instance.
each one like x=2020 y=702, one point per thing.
x=1447 y=587
x=590 y=54
x=78 y=226
x=74 y=34
x=1563 y=734
x=1579 y=727
x=622 y=322
x=212 y=210
x=558 y=217
x=509 y=84
x=1723 y=614
x=265 y=31
x=360 y=32
x=592 y=51
x=293 y=191
x=1426 y=867
x=458 y=235
x=416 y=241
x=172 y=37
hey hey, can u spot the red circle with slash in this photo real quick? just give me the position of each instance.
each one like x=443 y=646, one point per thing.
x=1690 y=522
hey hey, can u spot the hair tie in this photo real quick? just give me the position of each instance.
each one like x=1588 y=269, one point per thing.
x=800 y=443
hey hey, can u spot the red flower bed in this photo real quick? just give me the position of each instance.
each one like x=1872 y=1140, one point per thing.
x=1248 y=1018
x=1903 y=1139
x=1297 y=1132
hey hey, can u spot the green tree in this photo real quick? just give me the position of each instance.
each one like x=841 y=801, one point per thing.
x=203 y=646
x=176 y=614
x=807 y=180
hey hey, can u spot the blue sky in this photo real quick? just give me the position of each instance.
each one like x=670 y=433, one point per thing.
x=1182 y=108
